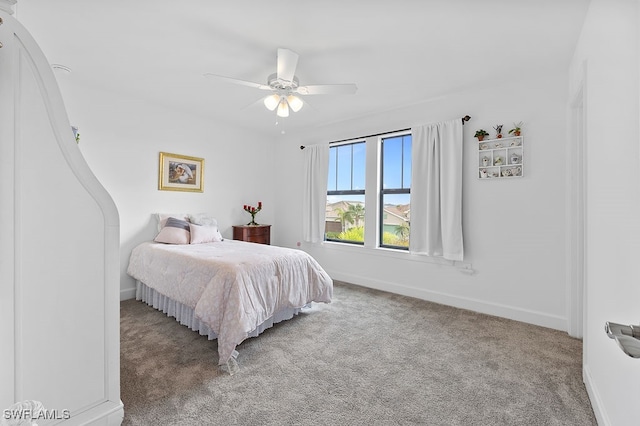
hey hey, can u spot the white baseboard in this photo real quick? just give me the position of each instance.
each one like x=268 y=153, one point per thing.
x=518 y=314
x=594 y=397
x=127 y=293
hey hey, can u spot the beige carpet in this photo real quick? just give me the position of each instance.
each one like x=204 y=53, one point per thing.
x=368 y=358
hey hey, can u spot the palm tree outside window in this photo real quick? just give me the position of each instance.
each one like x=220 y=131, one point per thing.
x=345 y=193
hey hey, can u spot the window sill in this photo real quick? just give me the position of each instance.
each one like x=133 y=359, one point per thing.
x=390 y=253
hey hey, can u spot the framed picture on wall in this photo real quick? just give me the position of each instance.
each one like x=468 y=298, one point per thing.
x=181 y=173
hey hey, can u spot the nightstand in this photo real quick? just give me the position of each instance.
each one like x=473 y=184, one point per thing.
x=252 y=233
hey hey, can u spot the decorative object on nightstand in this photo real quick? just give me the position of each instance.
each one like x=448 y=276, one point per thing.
x=252 y=233
x=253 y=211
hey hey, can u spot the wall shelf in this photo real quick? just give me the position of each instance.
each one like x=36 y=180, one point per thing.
x=501 y=158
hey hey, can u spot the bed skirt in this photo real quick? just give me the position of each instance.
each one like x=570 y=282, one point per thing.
x=185 y=315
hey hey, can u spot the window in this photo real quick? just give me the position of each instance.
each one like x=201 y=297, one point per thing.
x=346 y=185
x=391 y=194
x=345 y=193
x=395 y=191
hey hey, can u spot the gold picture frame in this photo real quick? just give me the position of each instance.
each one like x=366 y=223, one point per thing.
x=181 y=173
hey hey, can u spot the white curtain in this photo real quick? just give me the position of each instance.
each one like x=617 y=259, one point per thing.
x=436 y=190
x=315 y=192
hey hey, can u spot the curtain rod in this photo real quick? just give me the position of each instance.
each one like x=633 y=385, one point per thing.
x=465 y=118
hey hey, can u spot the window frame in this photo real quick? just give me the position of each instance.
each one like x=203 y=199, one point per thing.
x=359 y=192
x=382 y=191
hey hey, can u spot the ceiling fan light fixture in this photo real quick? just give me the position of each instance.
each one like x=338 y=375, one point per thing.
x=285 y=87
x=283 y=108
x=272 y=101
x=295 y=103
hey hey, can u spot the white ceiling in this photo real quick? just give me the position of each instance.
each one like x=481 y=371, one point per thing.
x=398 y=52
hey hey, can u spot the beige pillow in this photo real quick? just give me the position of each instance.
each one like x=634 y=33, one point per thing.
x=204 y=234
x=175 y=231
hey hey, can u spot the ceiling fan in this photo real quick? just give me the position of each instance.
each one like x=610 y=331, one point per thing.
x=285 y=85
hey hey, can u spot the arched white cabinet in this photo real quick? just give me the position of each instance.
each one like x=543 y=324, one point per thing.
x=59 y=242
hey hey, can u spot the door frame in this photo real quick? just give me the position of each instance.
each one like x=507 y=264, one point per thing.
x=576 y=216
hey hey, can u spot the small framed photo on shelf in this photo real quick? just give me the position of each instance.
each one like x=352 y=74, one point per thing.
x=180 y=173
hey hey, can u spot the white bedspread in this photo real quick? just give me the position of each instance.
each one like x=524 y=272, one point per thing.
x=232 y=286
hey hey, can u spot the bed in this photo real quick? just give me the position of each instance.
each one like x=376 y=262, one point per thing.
x=226 y=289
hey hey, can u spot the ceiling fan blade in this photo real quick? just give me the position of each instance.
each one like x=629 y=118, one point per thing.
x=257 y=102
x=237 y=81
x=287 y=63
x=328 y=89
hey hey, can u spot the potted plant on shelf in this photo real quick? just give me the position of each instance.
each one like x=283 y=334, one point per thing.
x=480 y=134
x=498 y=130
x=516 y=129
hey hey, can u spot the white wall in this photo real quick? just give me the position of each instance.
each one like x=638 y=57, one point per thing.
x=121 y=139
x=513 y=228
x=608 y=51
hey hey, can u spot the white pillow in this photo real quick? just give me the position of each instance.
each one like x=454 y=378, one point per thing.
x=175 y=231
x=204 y=234
x=203 y=219
x=162 y=218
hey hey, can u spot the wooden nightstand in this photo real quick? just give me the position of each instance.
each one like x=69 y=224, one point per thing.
x=253 y=233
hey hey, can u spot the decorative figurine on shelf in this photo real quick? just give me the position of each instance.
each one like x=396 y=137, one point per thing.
x=497 y=161
x=498 y=129
x=498 y=145
x=515 y=143
x=484 y=146
x=515 y=159
x=480 y=134
x=485 y=161
x=253 y=211
x=483 y=173
x=516 y=129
